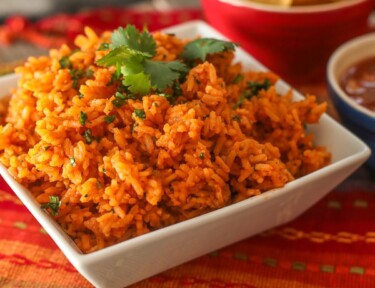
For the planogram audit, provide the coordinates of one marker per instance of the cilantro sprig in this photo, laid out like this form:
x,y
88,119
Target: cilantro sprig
x,y
131,52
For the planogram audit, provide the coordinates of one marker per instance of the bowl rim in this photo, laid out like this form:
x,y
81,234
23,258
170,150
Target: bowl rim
x,y
310,9
331,68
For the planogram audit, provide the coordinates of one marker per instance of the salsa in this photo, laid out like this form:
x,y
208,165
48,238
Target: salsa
x,y
358,81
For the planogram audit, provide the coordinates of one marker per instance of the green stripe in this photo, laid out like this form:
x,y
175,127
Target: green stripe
x,y
300,266
240,256
327,268
270,262
357,270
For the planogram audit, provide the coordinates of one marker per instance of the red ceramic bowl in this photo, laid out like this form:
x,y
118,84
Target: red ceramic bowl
x,y
295,42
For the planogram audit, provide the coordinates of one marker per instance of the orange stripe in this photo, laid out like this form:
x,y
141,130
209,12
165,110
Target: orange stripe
x,y
255,248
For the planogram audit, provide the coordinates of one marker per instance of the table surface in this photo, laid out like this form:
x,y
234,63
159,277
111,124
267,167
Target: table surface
x,y
330,245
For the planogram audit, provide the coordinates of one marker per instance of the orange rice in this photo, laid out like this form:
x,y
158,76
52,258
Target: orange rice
x,y
181,161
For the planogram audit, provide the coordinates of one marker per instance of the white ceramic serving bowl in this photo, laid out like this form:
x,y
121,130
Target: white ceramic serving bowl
x,y
139,258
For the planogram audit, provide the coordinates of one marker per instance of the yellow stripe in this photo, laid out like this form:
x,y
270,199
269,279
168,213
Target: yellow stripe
x,y
319,237
205,277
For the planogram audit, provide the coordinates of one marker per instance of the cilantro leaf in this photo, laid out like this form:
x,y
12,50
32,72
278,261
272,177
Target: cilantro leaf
x,y
200,48
138,83
120,55
163,74
53,205
134,39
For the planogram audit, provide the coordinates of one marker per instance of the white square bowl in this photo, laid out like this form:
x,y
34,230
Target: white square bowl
x,y
141,257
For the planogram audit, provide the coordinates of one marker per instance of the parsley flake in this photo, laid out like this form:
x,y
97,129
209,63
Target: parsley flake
x,y
109,119
53,205
119,100
252,89
75,75
256,87
140,113
83,118
65,62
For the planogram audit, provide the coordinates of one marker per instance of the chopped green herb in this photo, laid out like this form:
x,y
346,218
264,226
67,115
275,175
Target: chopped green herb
x,y
46,148
83,118
53,205
240,101
80,95
65,62
201,155
103,46
238,79
76,75
253,89
236,118
109,118
72,161
140,113
256,87
89,73
87,135
119,100
200,48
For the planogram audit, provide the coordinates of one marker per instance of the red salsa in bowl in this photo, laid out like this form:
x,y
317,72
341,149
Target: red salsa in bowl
x,y
358,82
